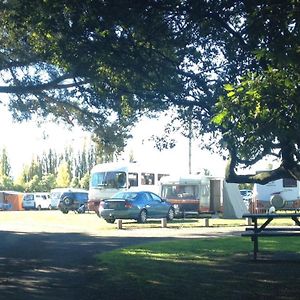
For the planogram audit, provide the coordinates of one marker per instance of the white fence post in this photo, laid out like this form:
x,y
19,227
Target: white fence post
x,y
163,222
119,224
206,222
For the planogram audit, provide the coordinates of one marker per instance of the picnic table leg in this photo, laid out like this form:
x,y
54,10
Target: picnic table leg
x,y
255,246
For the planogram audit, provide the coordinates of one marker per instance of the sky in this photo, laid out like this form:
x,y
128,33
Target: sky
x,y
25,140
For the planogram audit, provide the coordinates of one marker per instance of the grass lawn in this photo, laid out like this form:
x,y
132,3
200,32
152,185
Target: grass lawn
x,y
216,268
72,222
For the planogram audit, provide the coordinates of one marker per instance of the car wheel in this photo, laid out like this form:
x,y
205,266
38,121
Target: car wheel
x,y
68,201
39,207
50,207
171,214
142,216
65,211
111,221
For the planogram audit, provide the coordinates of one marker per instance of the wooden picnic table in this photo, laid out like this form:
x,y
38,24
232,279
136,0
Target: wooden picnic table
x,y
263,230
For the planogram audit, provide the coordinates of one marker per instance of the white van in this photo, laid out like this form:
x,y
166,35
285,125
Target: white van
x,y
36,201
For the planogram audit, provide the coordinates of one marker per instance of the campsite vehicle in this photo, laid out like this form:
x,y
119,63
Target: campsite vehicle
x,y
196,194
67,199
36,201
247,196
135,205
73,200
109,178
11,200
281,194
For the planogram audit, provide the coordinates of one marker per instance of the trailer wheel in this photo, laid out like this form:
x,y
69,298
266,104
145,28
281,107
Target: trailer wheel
x,y
277,201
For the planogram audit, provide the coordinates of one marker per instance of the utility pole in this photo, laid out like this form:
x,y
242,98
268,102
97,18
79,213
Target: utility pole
x,y
190,157
190,135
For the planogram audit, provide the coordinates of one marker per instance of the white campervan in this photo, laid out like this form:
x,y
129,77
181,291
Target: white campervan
x,y
110,178
36,201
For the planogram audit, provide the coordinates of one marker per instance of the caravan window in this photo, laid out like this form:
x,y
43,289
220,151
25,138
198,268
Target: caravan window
x,y
180,192
289,182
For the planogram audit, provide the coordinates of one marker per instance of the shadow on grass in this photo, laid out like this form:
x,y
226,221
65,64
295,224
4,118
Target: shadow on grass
x,y
64,266
203,269
53,265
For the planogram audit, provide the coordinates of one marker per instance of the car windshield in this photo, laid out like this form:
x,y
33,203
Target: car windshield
x,y
109,179
28,197
125,195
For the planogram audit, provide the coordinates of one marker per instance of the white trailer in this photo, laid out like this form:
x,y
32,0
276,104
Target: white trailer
x,y
189,193
282,194
202,194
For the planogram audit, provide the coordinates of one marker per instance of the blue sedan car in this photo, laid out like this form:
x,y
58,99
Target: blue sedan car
x,y
135,205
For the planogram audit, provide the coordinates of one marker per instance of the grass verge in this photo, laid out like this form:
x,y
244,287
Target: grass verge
x,y
220,268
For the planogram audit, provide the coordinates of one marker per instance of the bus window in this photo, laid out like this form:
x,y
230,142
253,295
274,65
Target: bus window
x,y
159,176
147,178
109,179
133,179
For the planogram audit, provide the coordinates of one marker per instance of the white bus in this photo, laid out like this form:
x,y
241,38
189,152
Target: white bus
x,y
282,194
109,178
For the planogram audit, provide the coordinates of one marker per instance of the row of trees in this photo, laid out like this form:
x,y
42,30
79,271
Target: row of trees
x,y
51,170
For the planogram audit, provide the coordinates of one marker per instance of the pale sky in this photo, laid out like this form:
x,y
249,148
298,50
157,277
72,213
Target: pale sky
x,y
25,140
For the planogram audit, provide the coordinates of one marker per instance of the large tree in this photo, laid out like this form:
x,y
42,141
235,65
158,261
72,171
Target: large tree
x,y
230,68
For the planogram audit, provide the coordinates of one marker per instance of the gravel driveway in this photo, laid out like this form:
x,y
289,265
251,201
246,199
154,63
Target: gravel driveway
x,y
51,261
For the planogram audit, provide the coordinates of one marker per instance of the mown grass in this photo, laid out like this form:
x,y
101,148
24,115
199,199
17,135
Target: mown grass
x,y
219,268
81,222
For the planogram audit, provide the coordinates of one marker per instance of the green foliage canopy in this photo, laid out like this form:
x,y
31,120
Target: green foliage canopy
x,y
232,67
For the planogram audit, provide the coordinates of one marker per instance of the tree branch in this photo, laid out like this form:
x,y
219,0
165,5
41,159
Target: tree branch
x,y
53,85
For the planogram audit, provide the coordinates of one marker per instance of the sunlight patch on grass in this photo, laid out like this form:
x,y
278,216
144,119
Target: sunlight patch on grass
x,y
189,268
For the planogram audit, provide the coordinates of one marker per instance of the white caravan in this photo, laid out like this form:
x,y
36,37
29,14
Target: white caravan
x,y
196,194
281,193
188,194
110,178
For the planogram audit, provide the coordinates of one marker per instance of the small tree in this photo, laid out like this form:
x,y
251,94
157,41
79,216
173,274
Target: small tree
x,y
47,183
6,182
63,175
33,184
75,182
85,180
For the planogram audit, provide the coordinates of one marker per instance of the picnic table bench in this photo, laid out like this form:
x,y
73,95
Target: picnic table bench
x,y
263,230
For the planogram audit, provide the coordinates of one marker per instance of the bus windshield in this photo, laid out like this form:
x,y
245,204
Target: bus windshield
x,y
108,180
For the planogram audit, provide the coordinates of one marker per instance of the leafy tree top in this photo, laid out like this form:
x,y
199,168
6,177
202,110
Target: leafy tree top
x,y
232,67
